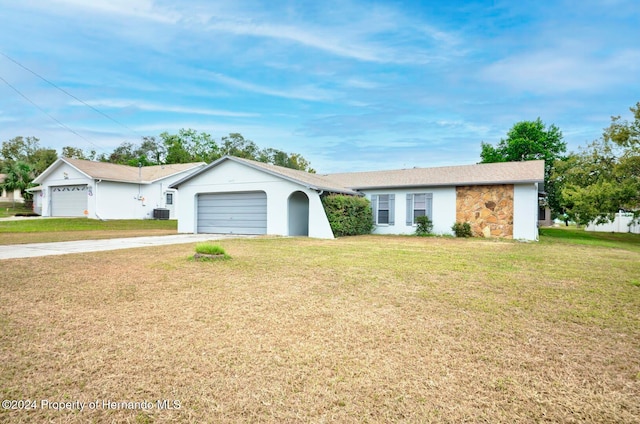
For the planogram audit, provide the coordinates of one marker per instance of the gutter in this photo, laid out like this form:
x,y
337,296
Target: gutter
x,y
96,200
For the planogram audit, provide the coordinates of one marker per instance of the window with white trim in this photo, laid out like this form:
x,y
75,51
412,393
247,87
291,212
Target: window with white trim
x,y
383,206
419,204
169,199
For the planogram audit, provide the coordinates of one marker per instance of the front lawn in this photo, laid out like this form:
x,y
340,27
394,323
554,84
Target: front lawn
x,y
41,230
359,329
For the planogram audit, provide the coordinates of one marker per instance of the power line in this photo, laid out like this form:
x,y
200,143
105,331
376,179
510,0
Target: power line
x,y
49,115
70,95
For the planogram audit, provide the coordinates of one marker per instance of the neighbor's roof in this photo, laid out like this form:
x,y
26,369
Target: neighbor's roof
x,y
487,173
122,173
350,182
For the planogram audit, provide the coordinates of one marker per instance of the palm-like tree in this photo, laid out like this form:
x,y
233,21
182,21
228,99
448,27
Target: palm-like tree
x,y
19,177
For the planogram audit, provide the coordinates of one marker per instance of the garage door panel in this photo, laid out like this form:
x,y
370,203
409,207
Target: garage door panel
x,y
220,210
232,213
227,217
206,202
68,200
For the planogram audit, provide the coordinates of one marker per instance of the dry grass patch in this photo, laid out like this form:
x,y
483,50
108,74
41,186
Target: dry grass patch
x,y
362,329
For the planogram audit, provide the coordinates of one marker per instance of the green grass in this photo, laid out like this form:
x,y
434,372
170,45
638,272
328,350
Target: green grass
x,y
573,235
209,249
8,209
83,224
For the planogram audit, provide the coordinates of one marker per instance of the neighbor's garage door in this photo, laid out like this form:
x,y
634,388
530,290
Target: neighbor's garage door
x,y
233,213
68,200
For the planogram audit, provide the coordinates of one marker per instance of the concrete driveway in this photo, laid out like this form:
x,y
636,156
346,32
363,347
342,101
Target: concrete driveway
x,y
66,247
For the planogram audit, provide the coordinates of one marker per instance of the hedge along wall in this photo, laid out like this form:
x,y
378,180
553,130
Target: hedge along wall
x,y
348,215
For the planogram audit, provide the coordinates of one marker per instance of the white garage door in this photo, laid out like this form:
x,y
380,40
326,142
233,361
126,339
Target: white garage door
x,y
232,213
68,200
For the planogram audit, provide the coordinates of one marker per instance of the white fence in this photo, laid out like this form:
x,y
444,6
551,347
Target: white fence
x,y
619,225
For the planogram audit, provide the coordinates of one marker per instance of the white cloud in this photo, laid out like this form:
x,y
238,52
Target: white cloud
x,y
564,70
307,92
145,9
358,35
155,107
319,39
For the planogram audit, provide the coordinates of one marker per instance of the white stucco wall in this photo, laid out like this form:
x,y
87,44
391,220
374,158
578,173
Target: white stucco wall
x,y
115,200
229,177
525,211
38,197
443,209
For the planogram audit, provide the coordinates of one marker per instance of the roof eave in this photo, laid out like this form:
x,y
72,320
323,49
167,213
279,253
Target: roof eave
x,y
452,184
54,165
339,191
113,180
193,168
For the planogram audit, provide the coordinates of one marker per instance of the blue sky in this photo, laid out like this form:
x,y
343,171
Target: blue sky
x,y
350,85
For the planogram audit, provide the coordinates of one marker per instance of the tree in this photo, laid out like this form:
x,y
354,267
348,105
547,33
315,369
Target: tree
x,y
280,158
122,154
27,150
189,145
604,177
152,150
531,140
19,149
177,149
236,145
18,177
42,159
77,153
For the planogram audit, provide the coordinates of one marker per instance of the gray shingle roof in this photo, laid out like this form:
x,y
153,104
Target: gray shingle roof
x,y
488,173
350,182
125,173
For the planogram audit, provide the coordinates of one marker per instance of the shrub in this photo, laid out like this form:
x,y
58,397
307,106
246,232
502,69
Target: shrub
x,y
348,215
425,226
209,249
462,229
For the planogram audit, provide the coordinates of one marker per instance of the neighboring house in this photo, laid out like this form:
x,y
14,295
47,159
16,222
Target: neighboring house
x,y
9,196
74,187
544,211
233,195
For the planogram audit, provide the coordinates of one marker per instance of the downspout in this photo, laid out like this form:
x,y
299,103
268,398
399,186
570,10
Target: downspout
x,y
96,200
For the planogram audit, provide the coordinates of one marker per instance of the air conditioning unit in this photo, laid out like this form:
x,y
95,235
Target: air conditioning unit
x,y
161,213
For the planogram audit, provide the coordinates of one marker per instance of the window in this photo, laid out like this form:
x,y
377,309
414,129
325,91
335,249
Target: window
x,y
169,199
542,213
418,204
383,209
383,206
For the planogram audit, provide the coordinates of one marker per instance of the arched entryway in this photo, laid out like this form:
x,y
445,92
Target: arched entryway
x,y
298,214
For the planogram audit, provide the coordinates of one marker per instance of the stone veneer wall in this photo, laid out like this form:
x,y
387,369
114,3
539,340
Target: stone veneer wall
x,y
488,208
